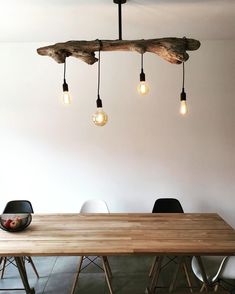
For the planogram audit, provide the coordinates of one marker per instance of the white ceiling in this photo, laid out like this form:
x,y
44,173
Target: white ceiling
x,y
61,20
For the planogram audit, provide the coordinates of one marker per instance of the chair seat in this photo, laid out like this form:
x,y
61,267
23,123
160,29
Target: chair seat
x,y
212,265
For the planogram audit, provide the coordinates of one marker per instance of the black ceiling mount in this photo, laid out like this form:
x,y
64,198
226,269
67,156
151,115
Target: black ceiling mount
x,y
119,2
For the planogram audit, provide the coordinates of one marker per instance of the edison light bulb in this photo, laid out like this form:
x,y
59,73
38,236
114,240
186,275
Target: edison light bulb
x,y
143,88
183,107
66,98
100,118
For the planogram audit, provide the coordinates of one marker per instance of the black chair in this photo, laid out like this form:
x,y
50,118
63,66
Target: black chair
x,y
17,206
168,205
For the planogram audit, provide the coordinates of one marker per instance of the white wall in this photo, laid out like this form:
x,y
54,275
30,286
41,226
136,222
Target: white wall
x,y
55,157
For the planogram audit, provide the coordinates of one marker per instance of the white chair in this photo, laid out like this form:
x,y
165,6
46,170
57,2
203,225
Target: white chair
x,y
228,269
94,206
213,266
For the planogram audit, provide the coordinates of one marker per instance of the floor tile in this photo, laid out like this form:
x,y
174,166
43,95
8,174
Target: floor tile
x,y
66,264
91,283
59,283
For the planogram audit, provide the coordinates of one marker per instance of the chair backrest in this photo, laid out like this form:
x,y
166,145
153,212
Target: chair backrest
x,y
18,206
228,270
94,206
167,205
212,265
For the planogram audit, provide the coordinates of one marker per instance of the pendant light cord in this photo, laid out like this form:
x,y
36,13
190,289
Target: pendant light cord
x,y
183,94
99,101
183,76
142,74
185,47
98,82
142,61
64,68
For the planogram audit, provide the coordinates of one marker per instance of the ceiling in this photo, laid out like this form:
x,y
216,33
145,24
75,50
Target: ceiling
x,y
61,20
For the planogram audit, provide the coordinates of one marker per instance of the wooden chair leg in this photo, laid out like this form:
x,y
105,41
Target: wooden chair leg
x,y
153,266
186,271
107,276
1,259
77,275
23,274
108,266
216,287
155,276
203,273
33,266
172,286
203,287
3,266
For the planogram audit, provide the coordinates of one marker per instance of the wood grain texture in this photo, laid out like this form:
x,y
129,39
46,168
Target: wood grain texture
x,y
172,50
120,234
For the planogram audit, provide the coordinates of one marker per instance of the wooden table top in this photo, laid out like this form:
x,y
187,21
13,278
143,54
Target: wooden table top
x,y
120,234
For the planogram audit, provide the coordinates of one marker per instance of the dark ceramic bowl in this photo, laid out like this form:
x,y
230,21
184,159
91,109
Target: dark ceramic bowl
x,y
15,222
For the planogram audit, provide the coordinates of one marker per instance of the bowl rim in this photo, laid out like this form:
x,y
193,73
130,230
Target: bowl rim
x,y
21,227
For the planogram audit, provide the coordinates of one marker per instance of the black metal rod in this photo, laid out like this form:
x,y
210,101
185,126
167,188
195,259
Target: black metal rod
x,y
119,2
120,19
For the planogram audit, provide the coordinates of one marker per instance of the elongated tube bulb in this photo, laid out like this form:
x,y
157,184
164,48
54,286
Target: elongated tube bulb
x,y
66,98
183,107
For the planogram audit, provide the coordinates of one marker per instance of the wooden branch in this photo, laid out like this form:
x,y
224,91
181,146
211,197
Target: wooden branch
x,y
171,49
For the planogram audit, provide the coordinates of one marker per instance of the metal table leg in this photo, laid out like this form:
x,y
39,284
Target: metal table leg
x,y
23,275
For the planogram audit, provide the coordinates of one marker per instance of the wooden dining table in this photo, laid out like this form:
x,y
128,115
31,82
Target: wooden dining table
x,y
67,234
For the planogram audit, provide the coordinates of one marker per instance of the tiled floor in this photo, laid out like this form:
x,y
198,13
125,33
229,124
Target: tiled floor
x,y
130,275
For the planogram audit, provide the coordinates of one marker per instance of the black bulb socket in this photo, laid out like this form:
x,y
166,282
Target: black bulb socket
x,y
99,102
183,95
142,76
65,87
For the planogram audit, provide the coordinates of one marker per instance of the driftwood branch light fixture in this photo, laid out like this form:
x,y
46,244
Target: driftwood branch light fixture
x,y
173,50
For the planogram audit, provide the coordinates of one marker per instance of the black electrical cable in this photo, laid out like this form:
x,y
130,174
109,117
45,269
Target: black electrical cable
x,y
99,101
64,68
183,76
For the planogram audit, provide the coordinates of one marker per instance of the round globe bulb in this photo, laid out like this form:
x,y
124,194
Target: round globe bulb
x,y
183,107
143,88
100,118
66,98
